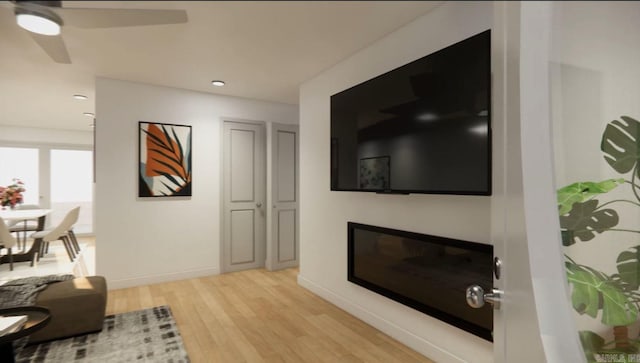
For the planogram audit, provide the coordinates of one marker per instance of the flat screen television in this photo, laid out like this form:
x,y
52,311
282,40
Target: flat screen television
x,y
425,272
424,127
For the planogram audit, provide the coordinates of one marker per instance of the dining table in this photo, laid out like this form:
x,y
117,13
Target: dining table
x,y
24,215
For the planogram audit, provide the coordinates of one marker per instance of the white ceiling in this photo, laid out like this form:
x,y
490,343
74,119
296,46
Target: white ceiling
x,y
262,49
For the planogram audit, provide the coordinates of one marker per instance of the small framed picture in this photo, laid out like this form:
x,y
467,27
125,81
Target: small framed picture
x,y
375,173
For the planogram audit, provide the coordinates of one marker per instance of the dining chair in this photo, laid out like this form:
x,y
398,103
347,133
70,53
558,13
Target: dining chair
x,y
75,215
25,226
58,233
8,241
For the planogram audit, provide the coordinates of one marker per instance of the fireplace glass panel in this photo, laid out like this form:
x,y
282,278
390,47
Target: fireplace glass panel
x,y
428,273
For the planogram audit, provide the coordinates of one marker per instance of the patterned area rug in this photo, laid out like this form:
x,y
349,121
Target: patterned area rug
x,y
148,335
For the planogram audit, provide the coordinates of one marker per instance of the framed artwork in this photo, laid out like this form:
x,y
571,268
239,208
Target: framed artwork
x,y
164,160
375,173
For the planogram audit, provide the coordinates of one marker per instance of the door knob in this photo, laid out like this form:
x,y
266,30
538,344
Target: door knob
x,y
497,268
476,297
258,204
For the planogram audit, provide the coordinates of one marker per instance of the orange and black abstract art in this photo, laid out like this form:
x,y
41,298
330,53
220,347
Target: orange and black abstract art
x,y
164,160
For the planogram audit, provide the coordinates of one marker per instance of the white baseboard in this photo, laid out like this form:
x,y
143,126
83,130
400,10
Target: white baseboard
x,y
404,336
155,279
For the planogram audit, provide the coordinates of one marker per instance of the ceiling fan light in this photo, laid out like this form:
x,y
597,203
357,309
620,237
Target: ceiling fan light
x,y
38,24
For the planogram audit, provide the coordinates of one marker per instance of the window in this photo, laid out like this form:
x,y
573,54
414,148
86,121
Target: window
x,y
54,178
71,186
21,163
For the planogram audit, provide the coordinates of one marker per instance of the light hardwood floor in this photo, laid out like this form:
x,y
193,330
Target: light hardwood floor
x,y
261,316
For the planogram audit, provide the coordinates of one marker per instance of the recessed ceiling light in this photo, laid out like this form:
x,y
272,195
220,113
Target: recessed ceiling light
x,y
217,83
80,97
427,116
39,23
480,130
89,114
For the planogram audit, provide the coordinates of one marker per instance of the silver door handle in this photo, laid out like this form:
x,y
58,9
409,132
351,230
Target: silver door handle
x,y
476,297
258,204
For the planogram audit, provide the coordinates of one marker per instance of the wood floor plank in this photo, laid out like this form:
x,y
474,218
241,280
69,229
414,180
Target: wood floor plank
x,y
261,316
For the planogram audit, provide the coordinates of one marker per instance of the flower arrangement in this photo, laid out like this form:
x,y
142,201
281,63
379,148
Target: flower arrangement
x,y
12,194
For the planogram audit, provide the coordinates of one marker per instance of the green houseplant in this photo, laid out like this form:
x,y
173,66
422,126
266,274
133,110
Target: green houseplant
x,y
586,211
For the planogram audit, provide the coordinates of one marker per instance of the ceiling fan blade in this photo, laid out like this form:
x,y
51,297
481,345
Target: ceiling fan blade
x,y
53,46
110,18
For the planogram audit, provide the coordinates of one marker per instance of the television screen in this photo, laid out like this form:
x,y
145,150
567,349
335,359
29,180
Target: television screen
x,y
428,273
421,128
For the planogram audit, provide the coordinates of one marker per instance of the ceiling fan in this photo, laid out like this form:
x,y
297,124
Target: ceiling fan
x,y
44,20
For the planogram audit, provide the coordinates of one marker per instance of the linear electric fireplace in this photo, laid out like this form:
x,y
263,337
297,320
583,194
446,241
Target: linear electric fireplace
x,y
427,273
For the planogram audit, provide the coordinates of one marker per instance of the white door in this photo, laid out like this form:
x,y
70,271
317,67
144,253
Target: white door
x,y
533,323
244,187
284,223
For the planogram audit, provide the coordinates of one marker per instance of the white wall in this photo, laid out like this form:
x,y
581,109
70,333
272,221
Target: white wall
x,y
140,241
324,214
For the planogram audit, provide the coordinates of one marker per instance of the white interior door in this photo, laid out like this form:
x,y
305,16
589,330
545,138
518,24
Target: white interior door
x,y
532,324
244,187
284,223
516,333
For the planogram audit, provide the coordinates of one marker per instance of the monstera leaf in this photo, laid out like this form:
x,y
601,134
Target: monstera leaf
x,y
165,154
581,191
584,221
629,267
592,344
621,144
593,291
